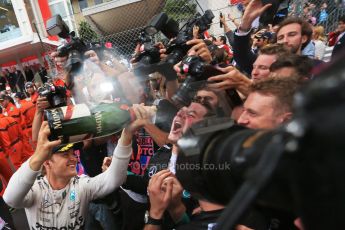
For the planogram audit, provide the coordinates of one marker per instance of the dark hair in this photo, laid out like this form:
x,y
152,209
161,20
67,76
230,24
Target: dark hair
x,y
341,18
301,64
220,56
223,39
306,28
283,88
0,109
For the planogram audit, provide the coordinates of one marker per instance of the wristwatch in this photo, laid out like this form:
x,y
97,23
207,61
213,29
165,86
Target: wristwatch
x,y
149,220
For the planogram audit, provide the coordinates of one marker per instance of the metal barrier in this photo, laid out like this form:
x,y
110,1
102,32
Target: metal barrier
x,y
181,10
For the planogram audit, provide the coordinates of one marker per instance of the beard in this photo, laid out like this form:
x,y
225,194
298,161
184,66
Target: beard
x,y
294,49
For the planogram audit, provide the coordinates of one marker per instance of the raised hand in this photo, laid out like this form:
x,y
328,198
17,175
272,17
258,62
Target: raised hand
x,y
160,196
254,9
200,49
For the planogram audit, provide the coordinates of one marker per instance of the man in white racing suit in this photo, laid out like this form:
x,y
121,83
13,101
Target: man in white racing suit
x,y
60,199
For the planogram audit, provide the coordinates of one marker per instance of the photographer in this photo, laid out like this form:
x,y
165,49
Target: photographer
x,y
166,158
60,189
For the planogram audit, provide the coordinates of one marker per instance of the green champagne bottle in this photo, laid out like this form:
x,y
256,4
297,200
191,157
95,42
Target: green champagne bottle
x,y
75,123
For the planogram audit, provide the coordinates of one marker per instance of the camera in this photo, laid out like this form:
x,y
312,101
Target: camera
x,y
295,169
178,47
197,72
149,57
56,95
149,54
148,60
74,47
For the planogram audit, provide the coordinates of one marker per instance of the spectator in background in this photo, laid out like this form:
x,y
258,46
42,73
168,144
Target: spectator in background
x,y
28,73
20,80
261,39
27,109
319,41
32,93
323,13
43,74
227,31
12,79
340,41
221,43
13,141
3,81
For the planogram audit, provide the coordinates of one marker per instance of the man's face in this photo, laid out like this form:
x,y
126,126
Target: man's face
x,y
259,42
261,66
260,112
218,41
63,164
207,96
30,89
184,119
291,36
341,26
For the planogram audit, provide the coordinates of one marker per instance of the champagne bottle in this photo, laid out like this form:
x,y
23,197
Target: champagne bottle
x,y
75,123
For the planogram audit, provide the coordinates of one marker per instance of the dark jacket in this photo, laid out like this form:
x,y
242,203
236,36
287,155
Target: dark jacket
x,y
158,162
243,55
338,46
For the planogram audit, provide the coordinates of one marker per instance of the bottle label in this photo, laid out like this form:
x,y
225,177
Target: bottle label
x,y
75,111
98,119
57,116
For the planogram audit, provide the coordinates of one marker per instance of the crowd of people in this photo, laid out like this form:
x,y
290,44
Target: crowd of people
x,y
14,79
128,180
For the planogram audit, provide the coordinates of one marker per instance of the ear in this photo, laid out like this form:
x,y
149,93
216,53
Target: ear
x,y
47,164
285,117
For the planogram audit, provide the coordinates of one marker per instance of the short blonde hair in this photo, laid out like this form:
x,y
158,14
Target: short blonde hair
x,y
319,33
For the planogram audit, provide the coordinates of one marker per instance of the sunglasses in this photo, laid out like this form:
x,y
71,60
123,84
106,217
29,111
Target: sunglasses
x,y
201,100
